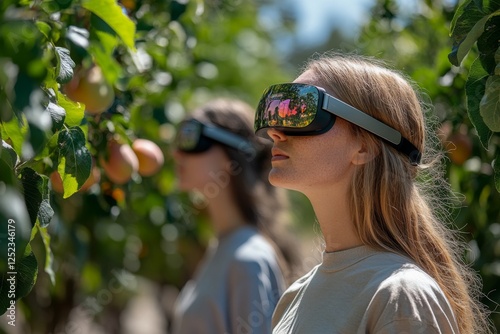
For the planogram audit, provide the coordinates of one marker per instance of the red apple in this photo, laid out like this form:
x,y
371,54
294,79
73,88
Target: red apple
x,y
121,163
91,88
150,156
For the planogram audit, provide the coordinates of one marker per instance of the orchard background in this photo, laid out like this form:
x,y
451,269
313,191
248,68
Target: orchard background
x,y
81,81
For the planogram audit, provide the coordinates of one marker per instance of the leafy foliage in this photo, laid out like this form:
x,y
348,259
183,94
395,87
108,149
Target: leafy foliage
x,y
74,159
474,88
478,22
161,58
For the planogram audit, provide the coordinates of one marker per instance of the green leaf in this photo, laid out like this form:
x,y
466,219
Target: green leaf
x,y
487,43
24,88
78,41
7,174
111,13
111,69
75,161
36,196
110,40
458,13
49,256
45,212
27,273
61,4
65,65
75,111
496,170
466,44
465,19
16,131
474,89
78,36
23,279
489,107
14,217
53,6
21,41
39,121
103,43
44,28
49,148
8,155
58,114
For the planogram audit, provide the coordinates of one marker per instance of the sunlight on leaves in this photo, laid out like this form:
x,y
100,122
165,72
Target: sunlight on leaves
x,y
75,161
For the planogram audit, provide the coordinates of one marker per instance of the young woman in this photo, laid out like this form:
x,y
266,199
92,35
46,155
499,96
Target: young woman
x,y
350,134
241,277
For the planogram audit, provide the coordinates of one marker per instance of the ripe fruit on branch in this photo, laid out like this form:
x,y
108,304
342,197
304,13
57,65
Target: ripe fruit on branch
x,y
94,177
150,156
121,163
91,88
128,4
459,148
58,186
56,181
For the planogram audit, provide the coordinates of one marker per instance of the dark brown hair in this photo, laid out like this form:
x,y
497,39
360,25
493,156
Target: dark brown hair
x,y
260,203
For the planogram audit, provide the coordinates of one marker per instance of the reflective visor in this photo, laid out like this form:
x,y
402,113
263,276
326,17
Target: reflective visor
x,y
188,135
196,137
293,109
304,110
292,106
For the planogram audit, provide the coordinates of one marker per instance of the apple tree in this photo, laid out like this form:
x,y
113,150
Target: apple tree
x,y
478,23
90,93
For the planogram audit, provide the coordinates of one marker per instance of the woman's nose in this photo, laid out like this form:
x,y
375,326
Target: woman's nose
x,y
176,154
276,135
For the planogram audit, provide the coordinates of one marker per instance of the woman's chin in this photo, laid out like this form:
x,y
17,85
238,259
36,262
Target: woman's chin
x,y
277,179
184,186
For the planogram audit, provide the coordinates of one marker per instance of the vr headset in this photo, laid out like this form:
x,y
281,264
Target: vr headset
x,y
196,137
299,109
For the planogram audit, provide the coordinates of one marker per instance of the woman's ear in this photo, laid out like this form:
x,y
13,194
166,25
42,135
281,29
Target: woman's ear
x,y
365,153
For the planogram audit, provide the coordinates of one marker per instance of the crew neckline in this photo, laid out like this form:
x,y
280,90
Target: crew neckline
x,y
243,229
339,260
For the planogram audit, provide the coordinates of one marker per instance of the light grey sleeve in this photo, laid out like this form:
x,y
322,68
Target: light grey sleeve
x,y
411,302
412,326
254,289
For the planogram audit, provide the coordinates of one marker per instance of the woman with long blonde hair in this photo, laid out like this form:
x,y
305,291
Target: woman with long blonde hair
x,y
351,135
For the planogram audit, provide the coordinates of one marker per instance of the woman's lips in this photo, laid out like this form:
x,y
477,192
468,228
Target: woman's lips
x,y
179,169
278,155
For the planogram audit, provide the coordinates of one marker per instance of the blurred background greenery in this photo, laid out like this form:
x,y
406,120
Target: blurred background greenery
x,y
101,250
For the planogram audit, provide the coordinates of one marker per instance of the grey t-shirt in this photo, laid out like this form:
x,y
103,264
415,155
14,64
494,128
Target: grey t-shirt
x,y
234,291
361,290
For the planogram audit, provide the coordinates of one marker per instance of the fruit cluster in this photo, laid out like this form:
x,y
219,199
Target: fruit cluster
x,y
143,157
121,160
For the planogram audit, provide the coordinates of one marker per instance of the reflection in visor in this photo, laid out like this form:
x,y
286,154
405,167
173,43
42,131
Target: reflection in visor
x,y
188,135
292,106
295,108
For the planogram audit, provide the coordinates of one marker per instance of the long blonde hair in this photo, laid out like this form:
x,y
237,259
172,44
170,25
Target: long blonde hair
x,y
396,206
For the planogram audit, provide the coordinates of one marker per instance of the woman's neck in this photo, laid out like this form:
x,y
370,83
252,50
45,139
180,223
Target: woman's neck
x,y
335,219
224,214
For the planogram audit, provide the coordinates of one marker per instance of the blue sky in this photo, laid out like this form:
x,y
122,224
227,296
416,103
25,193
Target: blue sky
x,y
317,17
314,20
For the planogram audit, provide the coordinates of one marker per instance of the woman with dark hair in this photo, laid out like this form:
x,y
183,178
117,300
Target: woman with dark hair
x,y
239,282
362,153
